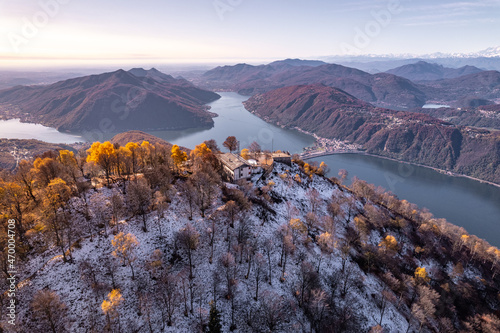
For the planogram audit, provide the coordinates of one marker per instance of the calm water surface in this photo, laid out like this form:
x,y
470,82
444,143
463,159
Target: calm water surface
x,y
15,129
235,120
462,201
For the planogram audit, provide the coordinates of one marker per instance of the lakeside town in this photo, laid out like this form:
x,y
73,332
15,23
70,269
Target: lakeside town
x,y
324,146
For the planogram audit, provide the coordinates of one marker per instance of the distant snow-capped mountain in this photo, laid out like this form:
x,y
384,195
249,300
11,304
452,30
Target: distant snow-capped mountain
x,y
490,52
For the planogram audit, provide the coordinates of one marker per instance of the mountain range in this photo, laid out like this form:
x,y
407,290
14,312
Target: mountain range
x,y
121,100
408,136
485,85
402,88
381,89
424,71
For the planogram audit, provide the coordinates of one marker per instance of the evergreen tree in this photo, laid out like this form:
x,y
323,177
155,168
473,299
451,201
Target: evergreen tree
x,y
214,322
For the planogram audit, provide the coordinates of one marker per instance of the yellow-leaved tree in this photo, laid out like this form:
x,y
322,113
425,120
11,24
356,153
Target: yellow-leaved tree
x,y
56,195
147,153
245,153
125,246
389,243
178,156
421,275
134,153
69,163
110,305
102,154
200,151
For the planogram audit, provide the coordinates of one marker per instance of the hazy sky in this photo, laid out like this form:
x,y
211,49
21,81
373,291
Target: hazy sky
x,y
126,31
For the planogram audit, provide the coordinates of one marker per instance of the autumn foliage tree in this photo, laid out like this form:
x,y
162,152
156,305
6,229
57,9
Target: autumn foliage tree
x,y
110,306
125,246
178,156
231,143
200,151
56,196
102,154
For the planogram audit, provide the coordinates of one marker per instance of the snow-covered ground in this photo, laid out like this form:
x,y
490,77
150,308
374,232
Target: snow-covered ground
x,y
48,270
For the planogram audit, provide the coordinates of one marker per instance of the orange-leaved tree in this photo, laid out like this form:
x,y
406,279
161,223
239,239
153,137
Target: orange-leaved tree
x,y
111,305
104,155
178,156
200,151
125,249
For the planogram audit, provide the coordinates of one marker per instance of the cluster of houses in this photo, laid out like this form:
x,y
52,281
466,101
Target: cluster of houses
x,y
236,167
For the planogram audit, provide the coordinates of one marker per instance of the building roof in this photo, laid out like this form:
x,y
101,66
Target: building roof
x,y
280,155
232,161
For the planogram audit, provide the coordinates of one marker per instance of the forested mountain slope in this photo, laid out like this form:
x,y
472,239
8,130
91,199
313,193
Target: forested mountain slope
x,y
175,249
408,136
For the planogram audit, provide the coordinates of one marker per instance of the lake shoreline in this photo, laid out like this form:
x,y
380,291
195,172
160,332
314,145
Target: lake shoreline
x,y
445,172
354,149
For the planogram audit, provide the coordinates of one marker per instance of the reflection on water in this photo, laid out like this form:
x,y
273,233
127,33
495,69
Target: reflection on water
x,y
462,201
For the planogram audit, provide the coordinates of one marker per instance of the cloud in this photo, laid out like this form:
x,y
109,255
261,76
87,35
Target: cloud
x,y
452,13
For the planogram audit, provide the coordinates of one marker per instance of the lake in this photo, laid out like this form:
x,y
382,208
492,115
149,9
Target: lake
x,y
435,106
234,119
462,201
15,129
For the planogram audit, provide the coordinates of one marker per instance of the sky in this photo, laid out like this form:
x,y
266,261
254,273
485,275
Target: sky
x,y
70,32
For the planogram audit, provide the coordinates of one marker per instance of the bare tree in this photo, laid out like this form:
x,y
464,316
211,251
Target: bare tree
x,y
260,263
272,310
212,145
117,206
50,310
307,280
169,294
189,239
385,298
230,269
318,309
100,211
205,186
425,307
160,205
314,199
188,190
268,250
139,199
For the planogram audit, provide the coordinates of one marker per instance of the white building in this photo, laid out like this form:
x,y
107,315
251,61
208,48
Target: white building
x,y
235,167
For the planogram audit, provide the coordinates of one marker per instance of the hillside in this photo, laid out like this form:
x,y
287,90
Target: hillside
x,y
408,136
138,137
484,85
425,71
119,100
14,150
381,89
486,116
288,251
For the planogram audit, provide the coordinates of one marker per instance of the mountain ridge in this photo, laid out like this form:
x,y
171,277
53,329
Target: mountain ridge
x,y
118,99
382,88
408,136
425,71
